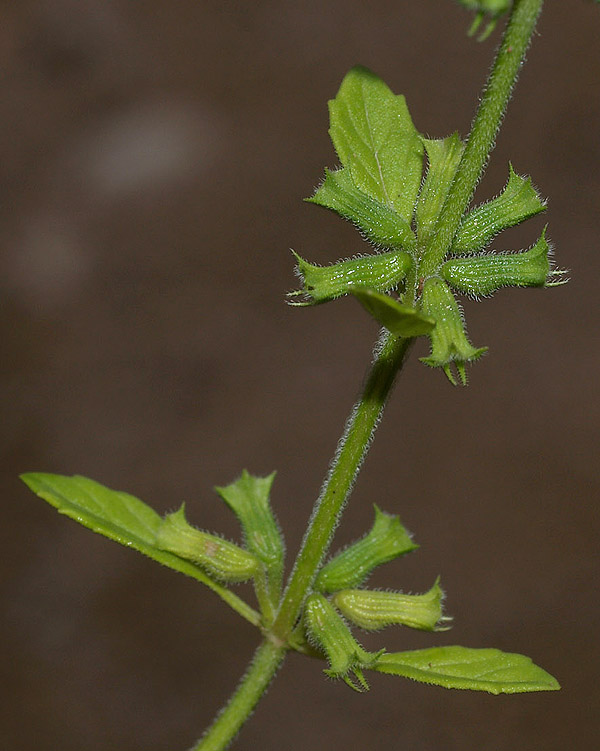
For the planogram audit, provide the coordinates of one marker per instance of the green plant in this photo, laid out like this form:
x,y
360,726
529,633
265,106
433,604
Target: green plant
x,y
429,247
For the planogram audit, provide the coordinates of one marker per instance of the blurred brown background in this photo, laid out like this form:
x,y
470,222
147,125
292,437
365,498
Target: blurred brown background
x,y
153,158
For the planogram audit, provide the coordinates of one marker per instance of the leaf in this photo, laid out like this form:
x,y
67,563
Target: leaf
x,y
379,224
477,669
400,320
123,518
443,156
374,137
518,201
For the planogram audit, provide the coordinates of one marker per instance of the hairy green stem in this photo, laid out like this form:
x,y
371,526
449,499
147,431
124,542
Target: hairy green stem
x,y
264,598
389,360
351,451
487,121
255,682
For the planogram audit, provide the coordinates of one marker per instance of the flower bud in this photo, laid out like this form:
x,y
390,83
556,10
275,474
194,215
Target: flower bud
x,y
493,8
326,630
398,319
222,559
518,201
449,343
386,540
373,610
484,274
381,272
248,498
443,157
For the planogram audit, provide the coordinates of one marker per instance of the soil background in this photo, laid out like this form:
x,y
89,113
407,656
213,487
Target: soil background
x,y
153,161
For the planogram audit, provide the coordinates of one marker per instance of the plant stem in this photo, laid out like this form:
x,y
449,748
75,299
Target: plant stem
x,y
226,725
349,456
389,360
353,445
487,121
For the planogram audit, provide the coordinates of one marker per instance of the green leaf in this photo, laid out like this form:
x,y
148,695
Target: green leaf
x,y
375,138
400,320
484,274
443,159
477,669
386,540
518,201
248,498
378,223
382,272
125,519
